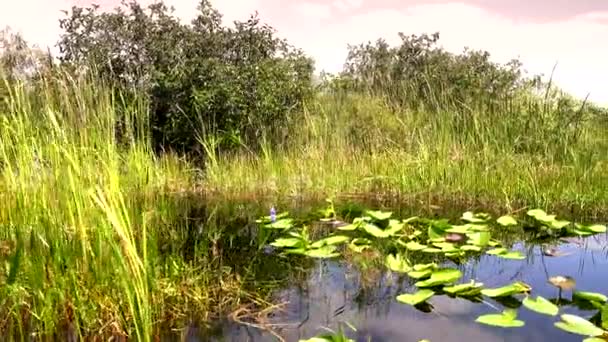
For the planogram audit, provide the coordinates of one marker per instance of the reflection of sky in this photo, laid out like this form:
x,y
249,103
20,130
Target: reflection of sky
x,y
330,295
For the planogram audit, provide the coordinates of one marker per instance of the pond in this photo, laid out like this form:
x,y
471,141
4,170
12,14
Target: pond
x,y
360,286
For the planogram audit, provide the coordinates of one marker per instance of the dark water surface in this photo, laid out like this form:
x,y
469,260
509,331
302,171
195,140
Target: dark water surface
x,y
332,291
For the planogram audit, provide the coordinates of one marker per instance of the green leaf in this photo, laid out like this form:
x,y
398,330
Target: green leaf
x,y
280,224
378,215
507,319
515,288
432,250
497,251
397,263
470,248
459,229
358,245
422,267
578,325
596,228
466,289
322,253
594,339
479,239
475,218
590,296
541,305
331,240
287,242
506,254
506,221
415,298
440,277
422,270
415,246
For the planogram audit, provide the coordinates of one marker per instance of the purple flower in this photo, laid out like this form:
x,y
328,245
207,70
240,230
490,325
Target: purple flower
x,y
273,214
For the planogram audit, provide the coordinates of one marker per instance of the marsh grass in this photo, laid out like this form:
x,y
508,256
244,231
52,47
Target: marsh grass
x,y
360,145
93,228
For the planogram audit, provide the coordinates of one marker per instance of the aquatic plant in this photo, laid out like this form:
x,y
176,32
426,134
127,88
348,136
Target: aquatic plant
x,y
506,319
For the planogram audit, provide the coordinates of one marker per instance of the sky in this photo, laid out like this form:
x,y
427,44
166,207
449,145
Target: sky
x,y
541,33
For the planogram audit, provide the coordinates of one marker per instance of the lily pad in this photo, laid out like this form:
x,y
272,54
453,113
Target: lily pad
x,y
578,325
590,296
440,277
415,246
397,263
287,242
415,298
379,215
509,290
541,305
507,319
506,221
330,240
467,289
475,218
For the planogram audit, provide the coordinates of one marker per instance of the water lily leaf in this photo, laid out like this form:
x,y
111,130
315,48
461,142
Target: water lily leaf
x,y
415,298
479,239
373,230
509,290
423,267
540,215
513,255
422,270
507,319
358,245
446,246
287,242
280,224
435,232
349,227
378,215
415,246
470,248
431,250
493,243
475,218
397,263
322,253
497,251
596,228
466,289
330,240
590,296
594,339
559,224
578,325
541,305
459,229
440,277
506,221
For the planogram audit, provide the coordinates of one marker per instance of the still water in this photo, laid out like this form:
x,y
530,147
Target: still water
x,y
334,291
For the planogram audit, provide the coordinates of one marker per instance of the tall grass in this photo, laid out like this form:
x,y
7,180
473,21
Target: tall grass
x,y
520,153
92,221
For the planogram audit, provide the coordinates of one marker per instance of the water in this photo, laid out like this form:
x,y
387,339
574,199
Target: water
x,y
334,291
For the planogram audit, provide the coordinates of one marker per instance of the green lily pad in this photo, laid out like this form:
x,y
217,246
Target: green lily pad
x,y
329,241
479,239
506,319
322,253
578,325
415,246
470,248
397,263
415,298
506,221
590,296
541,305
287,242
440,277
506,254
475,218
509,290
379,215
466,289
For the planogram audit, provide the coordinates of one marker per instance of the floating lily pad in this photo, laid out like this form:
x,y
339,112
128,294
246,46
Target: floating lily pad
x,y
506,221
379,215
415,298
475,218
541,305
590,296
331,240
509,290
578,325
507,319
440,277
415,246
467,289
397,263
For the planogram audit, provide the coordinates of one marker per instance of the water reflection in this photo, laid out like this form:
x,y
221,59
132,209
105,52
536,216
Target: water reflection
x,y
335,291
